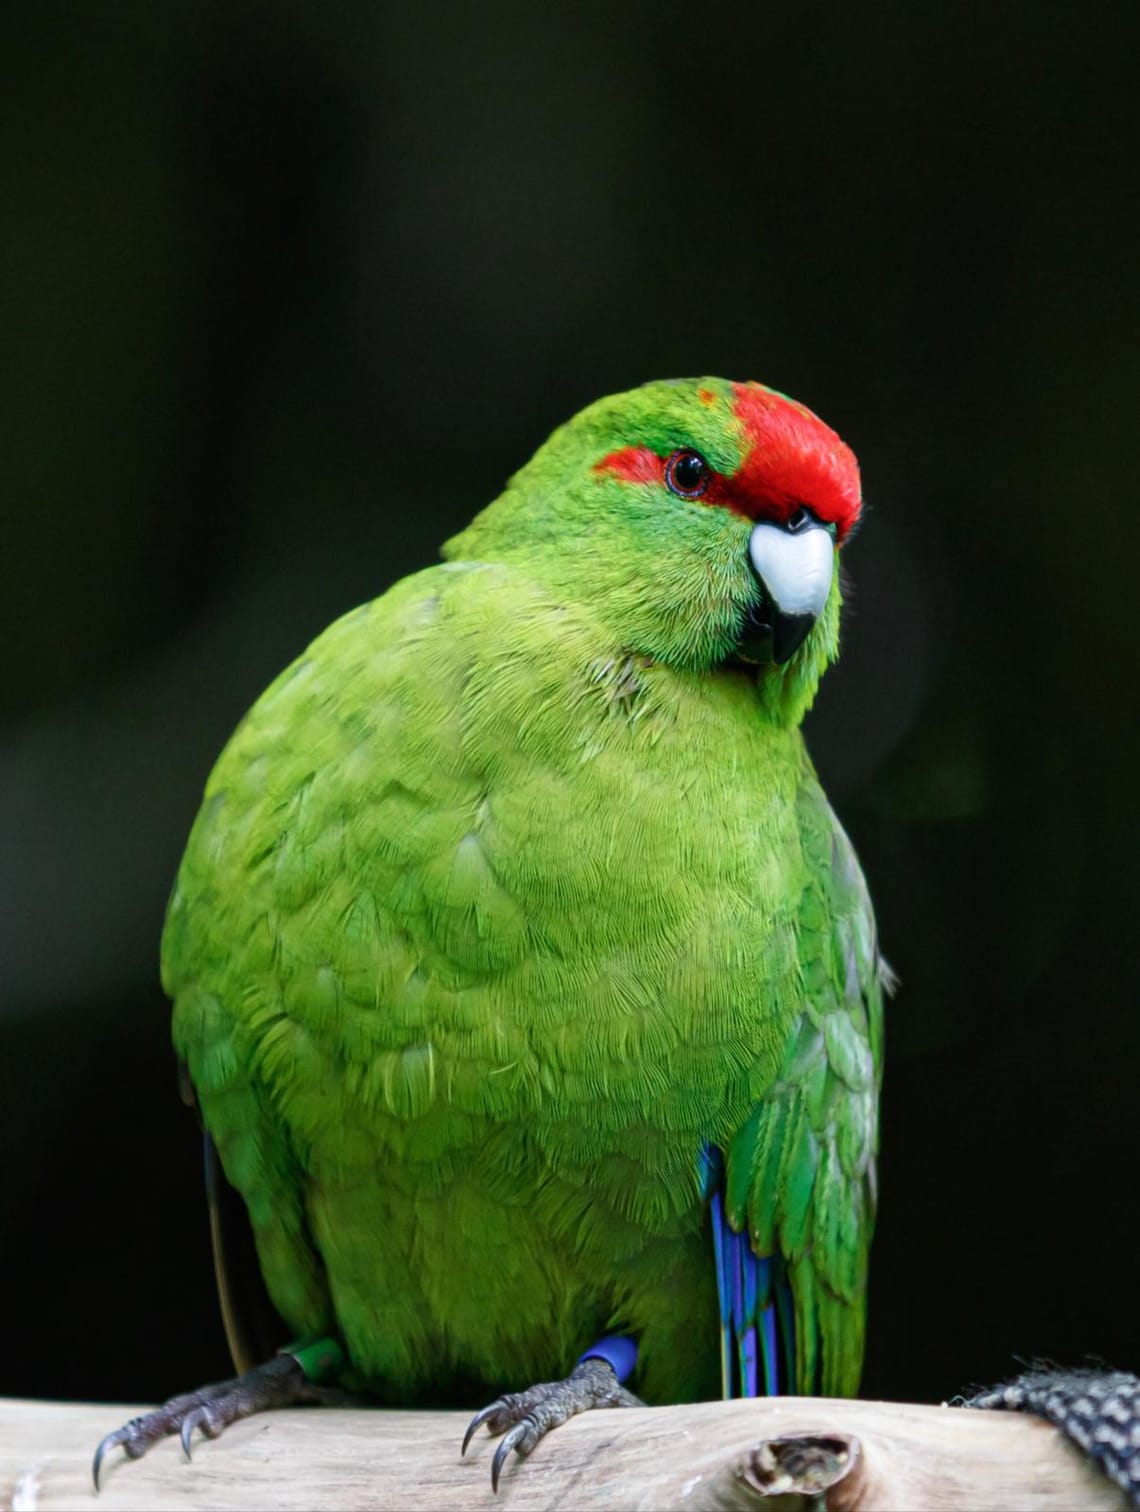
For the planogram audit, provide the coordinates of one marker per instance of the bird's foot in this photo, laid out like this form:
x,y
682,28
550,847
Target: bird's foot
x,y
525,1417
280,1382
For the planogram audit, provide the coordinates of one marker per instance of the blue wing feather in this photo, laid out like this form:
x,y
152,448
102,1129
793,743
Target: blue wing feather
x,y
721,1232
755,1300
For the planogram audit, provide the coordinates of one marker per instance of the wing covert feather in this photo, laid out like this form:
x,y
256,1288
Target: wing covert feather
x,y
800,1174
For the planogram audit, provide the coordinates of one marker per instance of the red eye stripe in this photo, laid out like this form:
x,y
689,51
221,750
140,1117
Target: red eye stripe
x,y
640,464
634,464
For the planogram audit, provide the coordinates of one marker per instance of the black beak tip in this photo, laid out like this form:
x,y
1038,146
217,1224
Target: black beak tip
x,y
754,643
768,636
789,632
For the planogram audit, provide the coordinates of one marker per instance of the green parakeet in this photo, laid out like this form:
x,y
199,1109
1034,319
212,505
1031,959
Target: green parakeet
x,y
528,985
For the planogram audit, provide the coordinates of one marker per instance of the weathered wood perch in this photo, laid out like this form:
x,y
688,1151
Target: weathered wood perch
x,y
781,1454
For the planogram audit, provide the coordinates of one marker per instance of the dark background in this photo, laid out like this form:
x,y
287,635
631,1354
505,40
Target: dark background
x,y
292,288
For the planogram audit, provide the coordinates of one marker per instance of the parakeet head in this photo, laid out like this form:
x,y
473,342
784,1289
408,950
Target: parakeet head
x,y
698,521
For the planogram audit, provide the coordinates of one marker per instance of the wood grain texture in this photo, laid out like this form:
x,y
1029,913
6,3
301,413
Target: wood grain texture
x,y
738,1454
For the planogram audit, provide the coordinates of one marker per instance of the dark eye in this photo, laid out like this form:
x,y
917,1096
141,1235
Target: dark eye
x,y
687,474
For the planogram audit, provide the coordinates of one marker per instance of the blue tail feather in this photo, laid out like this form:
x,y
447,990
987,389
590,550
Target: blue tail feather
x,y
746,1326
751,1280
749,1365
724,1293
770,1348
757,1319
736,1252
787,1313
763,1283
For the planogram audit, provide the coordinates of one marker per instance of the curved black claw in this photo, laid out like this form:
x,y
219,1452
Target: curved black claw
x,y
112,1441
482,1416
193,1420
514,1439
526,1417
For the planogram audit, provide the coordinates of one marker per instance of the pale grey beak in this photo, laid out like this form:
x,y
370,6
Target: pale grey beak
x,y
794,566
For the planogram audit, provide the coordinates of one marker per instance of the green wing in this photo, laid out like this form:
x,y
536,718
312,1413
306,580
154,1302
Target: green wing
x,y
800,1174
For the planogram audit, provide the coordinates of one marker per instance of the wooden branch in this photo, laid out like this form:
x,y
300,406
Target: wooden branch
x,y
781,1454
